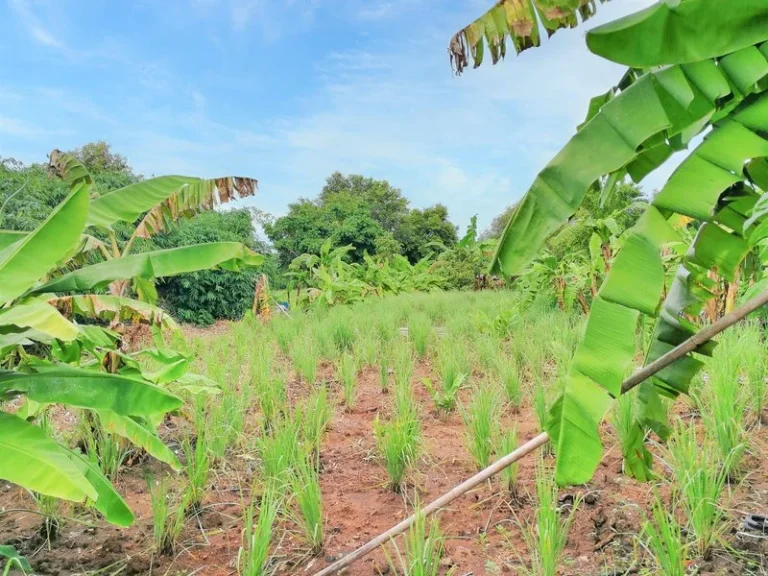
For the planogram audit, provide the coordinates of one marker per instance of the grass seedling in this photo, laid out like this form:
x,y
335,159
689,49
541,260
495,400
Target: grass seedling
x,y
480,420
508,373
664,539
304,358
101,447
630,436
307,503
342,333
403,364
504,443
253,558
279,450
271,398
419,329
398,444
384,369
423,549
546,535
167,519
198,467
700,482
723,410
445,397
346,372
313,416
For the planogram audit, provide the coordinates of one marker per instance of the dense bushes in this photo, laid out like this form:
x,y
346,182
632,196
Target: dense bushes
x,y
205,296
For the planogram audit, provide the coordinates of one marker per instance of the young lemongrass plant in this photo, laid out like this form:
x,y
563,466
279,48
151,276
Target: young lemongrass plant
x,y
307,502
622,418
217,426
346,372
313,415
663,537
419,330
700,480
752,354
272,399
367,348
398,444
279,450
342,332
541,408
423,549
101,447
545,536
723,409
445,397
403,364
253,558
384,360
505,441
167,517
481,418
198,468
507,372
285,331
304,357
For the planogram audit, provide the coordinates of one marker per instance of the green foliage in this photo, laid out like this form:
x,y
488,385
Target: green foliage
x,y
168,516
208,295
481,419
422,227
423,545
506,441
398,444
253,557
547,533
664,537
307,502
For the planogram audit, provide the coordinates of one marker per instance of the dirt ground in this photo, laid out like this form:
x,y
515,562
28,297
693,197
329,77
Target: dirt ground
x,y
481,530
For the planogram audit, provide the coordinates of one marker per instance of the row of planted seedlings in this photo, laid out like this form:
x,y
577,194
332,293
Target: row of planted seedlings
x,y
278,389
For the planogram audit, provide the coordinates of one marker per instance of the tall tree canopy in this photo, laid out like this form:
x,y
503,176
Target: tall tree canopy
x,y
370,214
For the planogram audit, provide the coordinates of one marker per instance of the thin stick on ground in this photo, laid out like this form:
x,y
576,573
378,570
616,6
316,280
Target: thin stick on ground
x,y
641,375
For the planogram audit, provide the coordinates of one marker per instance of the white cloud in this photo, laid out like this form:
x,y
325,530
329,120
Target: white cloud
x,y
38,32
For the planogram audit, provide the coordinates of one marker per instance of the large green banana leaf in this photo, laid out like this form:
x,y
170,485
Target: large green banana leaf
x,y
139,434
166,198
24,262
31,459
707,186
88,389
109,308
8,237
681,32
40,316
633,131
107,500
156,264
668,32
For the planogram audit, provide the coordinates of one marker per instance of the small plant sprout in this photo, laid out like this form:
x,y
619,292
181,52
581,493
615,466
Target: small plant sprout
x,y
167,518
419,329
423,547
403,364
304,357
508,373
664,539
547,533
198,468
279,450
346,372
313,416
622,418
384,368
480,421
398,444
700,481
445,397
253,558
307,503
505,442
271,399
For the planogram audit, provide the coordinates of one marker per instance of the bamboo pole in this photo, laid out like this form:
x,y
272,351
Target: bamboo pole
x,y
641,375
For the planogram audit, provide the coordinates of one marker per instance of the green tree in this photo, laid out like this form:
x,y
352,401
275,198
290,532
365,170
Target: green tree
x,y
98,158
421,227
387,204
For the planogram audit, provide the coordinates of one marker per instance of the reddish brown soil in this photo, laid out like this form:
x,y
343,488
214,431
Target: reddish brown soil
x,y
483,537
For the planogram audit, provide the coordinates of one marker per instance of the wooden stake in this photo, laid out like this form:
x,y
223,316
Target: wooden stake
x,y
641,375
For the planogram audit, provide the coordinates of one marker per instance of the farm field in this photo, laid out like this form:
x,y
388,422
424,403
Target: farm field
x,y
333,425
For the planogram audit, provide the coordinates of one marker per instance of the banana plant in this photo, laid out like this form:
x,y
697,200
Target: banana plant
x,y
80,365
695,66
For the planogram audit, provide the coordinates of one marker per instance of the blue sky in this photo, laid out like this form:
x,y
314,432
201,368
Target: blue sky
x,y
288,91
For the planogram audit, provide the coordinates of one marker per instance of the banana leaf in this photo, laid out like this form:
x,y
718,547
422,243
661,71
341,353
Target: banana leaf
x,y
88,389
32,460
156,264
113,308
39,316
